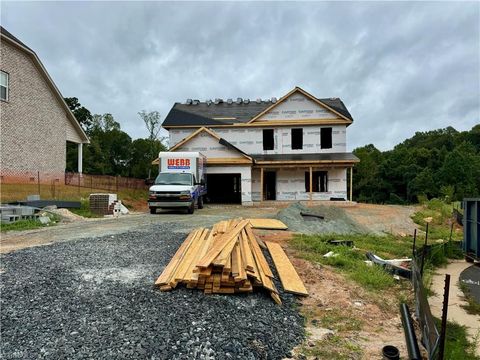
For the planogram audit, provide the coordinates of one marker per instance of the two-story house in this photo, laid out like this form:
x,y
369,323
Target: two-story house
x,y
291,149
36,123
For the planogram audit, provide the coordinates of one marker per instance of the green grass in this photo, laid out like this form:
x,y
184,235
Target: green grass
x,y
336,347
473,307
21,225
441,214
351,261
85,210
457,345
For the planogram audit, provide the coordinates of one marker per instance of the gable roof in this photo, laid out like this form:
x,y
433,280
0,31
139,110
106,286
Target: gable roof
x,y
221,141
8,37
335,104
223,113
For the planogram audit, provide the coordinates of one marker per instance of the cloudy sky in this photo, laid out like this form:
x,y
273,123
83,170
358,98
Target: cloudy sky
x,y
400,67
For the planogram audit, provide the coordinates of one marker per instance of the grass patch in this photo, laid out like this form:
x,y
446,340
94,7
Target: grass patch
x,y
351,261
441,215
457,345
336,347
473,307
21,225
85,210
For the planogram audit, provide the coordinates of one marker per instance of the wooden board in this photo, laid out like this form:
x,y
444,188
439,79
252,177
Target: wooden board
x,y
268,224
291,282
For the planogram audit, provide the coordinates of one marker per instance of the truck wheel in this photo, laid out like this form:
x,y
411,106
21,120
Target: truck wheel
x,y
153,210
200,202
191,209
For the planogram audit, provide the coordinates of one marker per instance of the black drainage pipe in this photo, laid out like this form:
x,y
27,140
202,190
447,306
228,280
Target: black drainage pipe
x,y
410,337
390,352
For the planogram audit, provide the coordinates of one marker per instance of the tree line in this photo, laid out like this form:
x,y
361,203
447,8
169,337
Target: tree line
x,y
440,163
112,151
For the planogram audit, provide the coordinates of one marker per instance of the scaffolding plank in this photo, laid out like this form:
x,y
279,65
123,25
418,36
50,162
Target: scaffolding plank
x,y
268,224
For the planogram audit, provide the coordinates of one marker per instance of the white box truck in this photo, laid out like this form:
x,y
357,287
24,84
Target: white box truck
x,y
180,182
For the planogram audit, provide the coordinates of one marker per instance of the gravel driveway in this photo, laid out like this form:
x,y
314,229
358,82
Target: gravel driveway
x,y
94,298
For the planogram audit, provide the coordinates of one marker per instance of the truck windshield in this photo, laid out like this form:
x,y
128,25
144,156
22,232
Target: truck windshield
x,y
173,179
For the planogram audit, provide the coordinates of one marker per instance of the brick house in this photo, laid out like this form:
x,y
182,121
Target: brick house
x,y
36,123
292,149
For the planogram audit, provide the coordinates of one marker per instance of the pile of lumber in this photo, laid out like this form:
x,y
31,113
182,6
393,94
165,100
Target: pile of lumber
x,y
227,259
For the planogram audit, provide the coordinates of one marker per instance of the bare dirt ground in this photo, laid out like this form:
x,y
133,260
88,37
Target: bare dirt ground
x,y
393,219
456,312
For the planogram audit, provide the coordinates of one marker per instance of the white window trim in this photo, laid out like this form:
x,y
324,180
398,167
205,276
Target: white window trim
x,y
7,87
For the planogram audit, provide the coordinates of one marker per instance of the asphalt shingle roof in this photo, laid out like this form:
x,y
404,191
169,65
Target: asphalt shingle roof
x,y
204,113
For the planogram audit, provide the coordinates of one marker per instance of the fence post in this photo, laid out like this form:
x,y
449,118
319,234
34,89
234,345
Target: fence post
x,y
38,182
424,250
414,242
443,330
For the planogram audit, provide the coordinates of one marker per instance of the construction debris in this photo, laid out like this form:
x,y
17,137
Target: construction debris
x,y
228,259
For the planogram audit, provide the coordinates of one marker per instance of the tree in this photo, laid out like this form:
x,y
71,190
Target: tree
x,y
141,163
82,114
152,122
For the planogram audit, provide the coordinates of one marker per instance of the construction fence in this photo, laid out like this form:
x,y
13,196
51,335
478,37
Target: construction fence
x,y
42,178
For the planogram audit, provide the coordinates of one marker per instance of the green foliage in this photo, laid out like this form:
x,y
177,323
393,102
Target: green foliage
x,y
441,163
457,345
111,151
85,210
21,225
352,261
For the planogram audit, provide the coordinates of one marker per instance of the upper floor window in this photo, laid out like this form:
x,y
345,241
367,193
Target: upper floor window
x,y
268,141
326,138
297,139
3,86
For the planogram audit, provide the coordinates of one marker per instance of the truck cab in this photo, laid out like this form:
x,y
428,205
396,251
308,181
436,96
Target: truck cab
x,y
179,184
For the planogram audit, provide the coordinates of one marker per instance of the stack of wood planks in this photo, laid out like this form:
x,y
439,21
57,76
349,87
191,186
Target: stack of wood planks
x,y
227,259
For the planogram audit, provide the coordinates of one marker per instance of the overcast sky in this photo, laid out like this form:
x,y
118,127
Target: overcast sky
x,y
400,67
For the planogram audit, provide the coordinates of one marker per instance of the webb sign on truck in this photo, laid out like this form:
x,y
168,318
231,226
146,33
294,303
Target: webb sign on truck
x,y
178,164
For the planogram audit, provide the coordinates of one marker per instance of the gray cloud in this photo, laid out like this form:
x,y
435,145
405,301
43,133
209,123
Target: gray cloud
x,y
399,67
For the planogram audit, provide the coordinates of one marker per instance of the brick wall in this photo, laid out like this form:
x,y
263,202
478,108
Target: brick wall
x,y
33,126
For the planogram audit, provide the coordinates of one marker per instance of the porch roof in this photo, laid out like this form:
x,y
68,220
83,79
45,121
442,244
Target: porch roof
x,y
324,158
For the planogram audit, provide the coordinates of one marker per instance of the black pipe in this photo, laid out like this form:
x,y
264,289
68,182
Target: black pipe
x,y
410,337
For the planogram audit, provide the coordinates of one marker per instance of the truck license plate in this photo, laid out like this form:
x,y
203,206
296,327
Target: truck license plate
x,y
153,203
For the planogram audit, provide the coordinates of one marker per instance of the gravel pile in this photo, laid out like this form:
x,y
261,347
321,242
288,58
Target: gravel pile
x,y
335,220
94,298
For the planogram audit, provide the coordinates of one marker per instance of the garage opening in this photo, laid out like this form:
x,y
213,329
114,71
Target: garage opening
x,y
224,188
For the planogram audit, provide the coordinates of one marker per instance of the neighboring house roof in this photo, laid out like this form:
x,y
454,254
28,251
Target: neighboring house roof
x,y
223,113
7,36
323,157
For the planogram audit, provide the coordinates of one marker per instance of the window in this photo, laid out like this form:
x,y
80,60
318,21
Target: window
x,y
319,181
3,86
326,138
268,141
297,139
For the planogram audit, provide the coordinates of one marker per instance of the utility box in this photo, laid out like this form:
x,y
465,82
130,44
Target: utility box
x,y
471,229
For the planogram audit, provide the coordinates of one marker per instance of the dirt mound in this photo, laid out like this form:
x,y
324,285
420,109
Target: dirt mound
x,y
335,220
67,215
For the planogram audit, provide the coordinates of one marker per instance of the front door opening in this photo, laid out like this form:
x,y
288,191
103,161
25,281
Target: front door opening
x,y
224,188
270,185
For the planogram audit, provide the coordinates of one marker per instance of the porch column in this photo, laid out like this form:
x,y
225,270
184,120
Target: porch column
x,y
311,183
351,182
261,184
80,158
